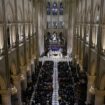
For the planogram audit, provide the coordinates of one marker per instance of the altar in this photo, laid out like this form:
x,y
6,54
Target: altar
x,y
54,54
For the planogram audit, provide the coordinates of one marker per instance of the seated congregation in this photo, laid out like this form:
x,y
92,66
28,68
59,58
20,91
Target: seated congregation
x,y
72,85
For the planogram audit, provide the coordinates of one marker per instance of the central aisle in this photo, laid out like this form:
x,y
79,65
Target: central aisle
x,y
55,96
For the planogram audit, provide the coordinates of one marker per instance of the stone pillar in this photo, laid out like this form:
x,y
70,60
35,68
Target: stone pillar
x,y
29,73
91,80
32,66
6,97
40,28
24,73
99,100
24,84
81,65
17,83
99,97
88,101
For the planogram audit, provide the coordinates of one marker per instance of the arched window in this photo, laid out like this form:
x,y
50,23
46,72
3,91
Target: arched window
x,y
103,39
1,39
97,14
48,8
54,9
55,13
87,33
96,27
94,36
61,8
20,32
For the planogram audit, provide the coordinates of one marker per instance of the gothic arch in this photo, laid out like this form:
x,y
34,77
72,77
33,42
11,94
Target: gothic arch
x,y
83,16
88,14
20,26
88,26
103,19
1,12
20,14
1,27
30,12
9,12
79,16
26,15
96,13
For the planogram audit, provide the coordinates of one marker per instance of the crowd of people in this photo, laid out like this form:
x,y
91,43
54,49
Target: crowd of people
x,y
72,84
44,89
80,83
66,92
26,94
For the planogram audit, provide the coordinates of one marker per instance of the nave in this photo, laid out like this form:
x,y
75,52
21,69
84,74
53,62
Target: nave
x,y
59,83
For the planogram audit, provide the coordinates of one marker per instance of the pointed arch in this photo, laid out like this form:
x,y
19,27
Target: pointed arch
x,y
96,13
10,14
103,20
88,14
1,11
20,14
26,15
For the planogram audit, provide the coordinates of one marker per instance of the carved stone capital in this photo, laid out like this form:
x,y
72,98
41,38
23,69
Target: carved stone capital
x,y
23,68
5,92
91,79
16,77
100,92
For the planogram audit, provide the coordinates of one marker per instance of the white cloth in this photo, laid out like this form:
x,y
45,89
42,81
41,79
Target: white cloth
x,y
55,96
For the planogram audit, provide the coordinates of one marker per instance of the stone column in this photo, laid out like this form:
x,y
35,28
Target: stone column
x,y
24,73
91,80
17,83
88,101
29,73
99,100
6,97
70,28
33,66
40,28
24,84
99,97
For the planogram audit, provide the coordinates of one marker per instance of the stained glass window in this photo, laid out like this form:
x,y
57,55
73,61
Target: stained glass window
x,y
48,8
61,9
54,9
